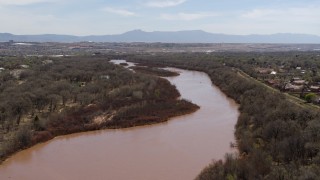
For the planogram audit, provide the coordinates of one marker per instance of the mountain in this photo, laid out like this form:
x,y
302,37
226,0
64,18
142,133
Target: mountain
x,y
195,36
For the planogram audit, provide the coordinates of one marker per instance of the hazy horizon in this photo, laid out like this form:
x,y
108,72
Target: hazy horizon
x,y
158,31
99,17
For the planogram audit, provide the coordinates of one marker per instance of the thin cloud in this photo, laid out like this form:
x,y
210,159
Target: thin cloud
x,y
22,2
121,12
304,14
304,19
164,3
187,16
259,13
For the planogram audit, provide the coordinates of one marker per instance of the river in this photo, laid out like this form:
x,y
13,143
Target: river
x,y
177,149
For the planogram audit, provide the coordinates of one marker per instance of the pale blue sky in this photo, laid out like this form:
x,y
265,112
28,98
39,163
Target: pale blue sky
x,y
98,17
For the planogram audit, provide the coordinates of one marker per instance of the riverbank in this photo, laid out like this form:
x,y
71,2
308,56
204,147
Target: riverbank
x,y
148,100
172,109
275,136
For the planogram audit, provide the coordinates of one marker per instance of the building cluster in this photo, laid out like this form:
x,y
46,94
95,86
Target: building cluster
x,y
296,81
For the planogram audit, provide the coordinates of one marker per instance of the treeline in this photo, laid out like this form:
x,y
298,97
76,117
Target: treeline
x,y
154,71
276,138
42,98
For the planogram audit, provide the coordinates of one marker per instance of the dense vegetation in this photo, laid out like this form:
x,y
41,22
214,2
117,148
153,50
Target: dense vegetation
x,y
276,138
42,98
155,71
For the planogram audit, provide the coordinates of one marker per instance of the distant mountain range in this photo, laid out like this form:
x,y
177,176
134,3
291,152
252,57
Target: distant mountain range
x,y
195,36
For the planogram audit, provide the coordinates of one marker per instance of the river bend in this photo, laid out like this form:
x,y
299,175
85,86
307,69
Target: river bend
x,y
177,149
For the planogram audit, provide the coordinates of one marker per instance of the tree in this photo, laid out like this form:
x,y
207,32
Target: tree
x,y
65,94
36,123
23,137
53,101
19,106
310,97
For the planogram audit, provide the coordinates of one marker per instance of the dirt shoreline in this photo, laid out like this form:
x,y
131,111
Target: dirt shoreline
x,y
147,123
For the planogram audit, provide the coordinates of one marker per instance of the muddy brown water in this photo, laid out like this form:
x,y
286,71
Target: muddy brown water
x,y
177,149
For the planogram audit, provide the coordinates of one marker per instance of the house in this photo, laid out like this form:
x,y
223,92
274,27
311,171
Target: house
x,y
48,61
298,68
24,66
315,88
273,82
264,70
1,69
299,82
292,87
273,73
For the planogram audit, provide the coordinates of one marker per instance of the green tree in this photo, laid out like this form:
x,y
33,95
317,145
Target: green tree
x,y
310,97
